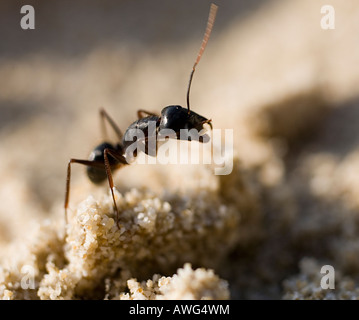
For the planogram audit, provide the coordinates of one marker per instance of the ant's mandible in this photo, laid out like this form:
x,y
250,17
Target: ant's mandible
x,y
107,157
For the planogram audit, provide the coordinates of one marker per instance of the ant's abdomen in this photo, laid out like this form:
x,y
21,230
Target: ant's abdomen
x,y
98,174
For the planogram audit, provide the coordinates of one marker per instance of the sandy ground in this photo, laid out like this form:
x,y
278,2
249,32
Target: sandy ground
x,y
288,89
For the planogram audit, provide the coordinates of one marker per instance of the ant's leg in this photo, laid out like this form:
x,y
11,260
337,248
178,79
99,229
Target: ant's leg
x,y
122,161
104,116
141,112
96,164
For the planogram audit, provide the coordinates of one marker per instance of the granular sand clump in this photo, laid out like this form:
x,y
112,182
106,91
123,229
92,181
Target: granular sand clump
x,y
156,234
187,284
307,285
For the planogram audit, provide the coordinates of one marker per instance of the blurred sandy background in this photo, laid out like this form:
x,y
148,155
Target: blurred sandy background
x,y
129,55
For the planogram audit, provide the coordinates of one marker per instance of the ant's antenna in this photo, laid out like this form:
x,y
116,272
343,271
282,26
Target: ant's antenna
x,y
210,22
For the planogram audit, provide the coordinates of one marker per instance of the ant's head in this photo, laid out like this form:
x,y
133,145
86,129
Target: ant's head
x,y
177,118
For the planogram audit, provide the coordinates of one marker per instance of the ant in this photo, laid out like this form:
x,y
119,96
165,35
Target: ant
x,y
108,157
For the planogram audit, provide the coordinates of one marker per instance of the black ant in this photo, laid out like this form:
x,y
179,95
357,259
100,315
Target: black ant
x,y
107,157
